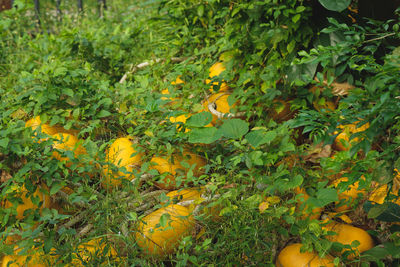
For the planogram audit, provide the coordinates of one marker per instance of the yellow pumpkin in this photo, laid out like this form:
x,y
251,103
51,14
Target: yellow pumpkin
x,y
180,118
27,202
160,240
315,213
35,258
67,142
342,141
20,260
216,70
163,165
35,122
90,250
187,194
291,256
221,104
121,154
349,195
347,234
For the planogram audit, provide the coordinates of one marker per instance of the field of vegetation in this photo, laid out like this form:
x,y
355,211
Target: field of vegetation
x,y
200,133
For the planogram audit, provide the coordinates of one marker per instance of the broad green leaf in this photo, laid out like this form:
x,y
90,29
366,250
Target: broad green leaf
x,y
206,135
387,212
256,159
287,184
302,73
234,128
55,188
103,113
68,92
199,120
324,196
260,137
4,142
335,5
61,71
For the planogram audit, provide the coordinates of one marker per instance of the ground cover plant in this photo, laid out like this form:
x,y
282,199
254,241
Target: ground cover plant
x,y
170,132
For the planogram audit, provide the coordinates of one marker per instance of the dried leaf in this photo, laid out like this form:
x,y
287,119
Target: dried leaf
x,y
338,89
318,151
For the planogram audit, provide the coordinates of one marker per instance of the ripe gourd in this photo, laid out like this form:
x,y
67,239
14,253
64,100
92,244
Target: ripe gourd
x,y
34,258
291,256
182,119
20,260
342,141
67,142
171,166
221,104
186,195
90,250
35,122
349,195
347,234
216,70
160,232
121,154
21,192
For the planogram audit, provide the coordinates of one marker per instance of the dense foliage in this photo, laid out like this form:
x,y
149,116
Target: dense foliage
x,y
298,72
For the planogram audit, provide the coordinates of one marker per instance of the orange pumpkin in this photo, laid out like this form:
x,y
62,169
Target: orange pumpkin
x,y
187,194
349,195
221,104
67,142
216,70
163,165
90,250
27,203
342,141
158,239
122,154
347,234
35,122
291,256
315,213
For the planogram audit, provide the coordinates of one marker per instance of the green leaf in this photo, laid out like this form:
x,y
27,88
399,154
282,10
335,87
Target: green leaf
x,y
256,159
103,113
260,137
323,197
206,135
335,5
55,188
296,18
68,92
4,142
199,120
387,212
61,71
302,72
234,128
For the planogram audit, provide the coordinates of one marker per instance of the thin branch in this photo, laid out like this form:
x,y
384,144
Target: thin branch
x,y
379,38
148,63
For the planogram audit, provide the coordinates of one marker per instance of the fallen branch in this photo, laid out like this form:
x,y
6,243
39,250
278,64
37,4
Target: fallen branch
x,y
148,63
